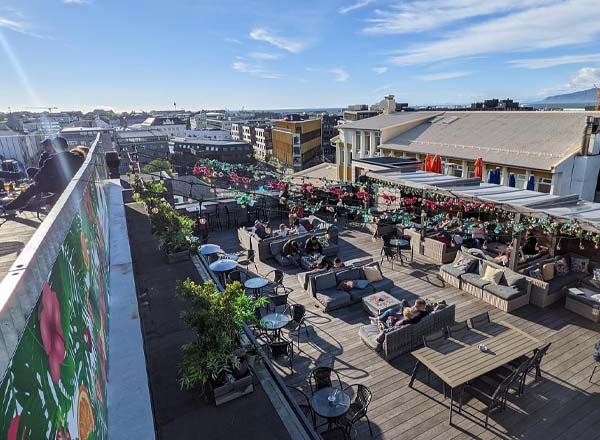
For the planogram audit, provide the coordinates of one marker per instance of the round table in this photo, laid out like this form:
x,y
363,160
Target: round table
x,y
232,257
275,322
399,242
210,249
255,284
330,410
221,267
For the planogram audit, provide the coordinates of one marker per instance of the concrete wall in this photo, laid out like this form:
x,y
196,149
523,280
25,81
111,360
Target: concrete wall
x,y
578,175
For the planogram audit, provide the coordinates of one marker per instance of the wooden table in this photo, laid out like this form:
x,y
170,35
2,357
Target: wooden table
x,y
457,361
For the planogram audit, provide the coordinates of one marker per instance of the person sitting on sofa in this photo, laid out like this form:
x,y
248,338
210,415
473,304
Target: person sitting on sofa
x,y
337,263
392,317
283,231
530,246
292,251
298,227
504,256
312,246
259,229
296,212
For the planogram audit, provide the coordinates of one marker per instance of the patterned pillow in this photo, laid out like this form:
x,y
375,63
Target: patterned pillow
x,y
536,273
596,274
562,266
580,264
346,285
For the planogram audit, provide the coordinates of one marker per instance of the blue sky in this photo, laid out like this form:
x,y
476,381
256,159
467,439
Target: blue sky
x,y
130,54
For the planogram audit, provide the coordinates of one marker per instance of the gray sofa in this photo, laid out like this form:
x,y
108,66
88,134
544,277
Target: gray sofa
x,y
467,271
323,287
330,245
408,337
305,277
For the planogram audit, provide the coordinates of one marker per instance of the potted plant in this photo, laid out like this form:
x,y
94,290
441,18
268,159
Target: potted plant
x,y
174,238
214,360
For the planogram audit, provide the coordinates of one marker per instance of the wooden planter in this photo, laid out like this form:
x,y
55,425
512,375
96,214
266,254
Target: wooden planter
x,y
231,391
178,256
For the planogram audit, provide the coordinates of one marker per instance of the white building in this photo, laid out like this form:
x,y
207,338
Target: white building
x,y
167,125
263,145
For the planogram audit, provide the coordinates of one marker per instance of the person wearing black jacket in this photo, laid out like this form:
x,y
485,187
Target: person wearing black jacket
x,y
53,177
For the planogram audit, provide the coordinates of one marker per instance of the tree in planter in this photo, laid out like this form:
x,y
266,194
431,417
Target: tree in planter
x,y
175,234
218,318
158,165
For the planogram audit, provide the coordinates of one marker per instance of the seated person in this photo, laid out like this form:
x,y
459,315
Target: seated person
x,y
283,231
337,263
448,221
504,256
530,246
392,317
312,246
292,251
259,229
53,177
298,227
478,235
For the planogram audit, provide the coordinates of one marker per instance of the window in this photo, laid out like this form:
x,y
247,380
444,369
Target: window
x,y
453,169
544,184
520,181
367,143
357,142
377,139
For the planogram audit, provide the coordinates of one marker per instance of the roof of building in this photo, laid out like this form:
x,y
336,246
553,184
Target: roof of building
x,y
323,170
200,141
541,140
123,134
381,122
162,120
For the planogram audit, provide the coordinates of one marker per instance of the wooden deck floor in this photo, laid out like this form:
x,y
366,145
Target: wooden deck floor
x,y
563,405
14,235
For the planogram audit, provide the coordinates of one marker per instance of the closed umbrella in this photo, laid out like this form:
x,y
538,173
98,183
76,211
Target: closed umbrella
x,y
497,176
531,183
437,164
479,168
427,163
512,182
491,178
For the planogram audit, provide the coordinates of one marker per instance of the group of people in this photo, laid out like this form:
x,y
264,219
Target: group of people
x,y
404,315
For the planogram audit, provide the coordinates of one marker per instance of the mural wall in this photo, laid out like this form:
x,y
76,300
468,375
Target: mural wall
x,y
55,387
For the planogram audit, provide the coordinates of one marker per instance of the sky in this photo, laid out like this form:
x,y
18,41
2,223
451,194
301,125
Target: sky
x,y
233,54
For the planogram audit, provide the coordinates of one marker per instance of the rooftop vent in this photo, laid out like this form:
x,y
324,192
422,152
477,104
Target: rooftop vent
x,y
449,120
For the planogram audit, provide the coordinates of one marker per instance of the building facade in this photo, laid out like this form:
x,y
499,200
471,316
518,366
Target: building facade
x,y
329,123
189,150
296,142
263,147
83,135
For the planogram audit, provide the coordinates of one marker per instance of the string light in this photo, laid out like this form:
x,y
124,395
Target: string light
x,y
155,210
190,198
202,220
581,245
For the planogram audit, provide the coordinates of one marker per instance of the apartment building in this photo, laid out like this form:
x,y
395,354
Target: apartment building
x,y
263,148
296,141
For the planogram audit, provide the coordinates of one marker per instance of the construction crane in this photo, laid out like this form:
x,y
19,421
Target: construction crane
x,y
44,108
597,107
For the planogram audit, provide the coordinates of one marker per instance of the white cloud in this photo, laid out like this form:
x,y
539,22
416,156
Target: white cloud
x,y
359,4
339,74
541,27
380,70
585,78
76,2
442,76
232,40
543,63
263,56
14,25
255,70
262,34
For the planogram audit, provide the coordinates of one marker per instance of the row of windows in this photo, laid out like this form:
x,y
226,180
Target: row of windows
x,y
213,148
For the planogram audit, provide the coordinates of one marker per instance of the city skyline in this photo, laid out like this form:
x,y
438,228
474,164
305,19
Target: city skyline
x,y
86,54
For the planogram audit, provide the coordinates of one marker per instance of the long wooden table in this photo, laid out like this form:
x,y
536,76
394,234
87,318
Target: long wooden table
x,y
457,361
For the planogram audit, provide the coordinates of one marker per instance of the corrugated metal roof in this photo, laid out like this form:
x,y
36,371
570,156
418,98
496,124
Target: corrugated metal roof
x,y
540,139
381,122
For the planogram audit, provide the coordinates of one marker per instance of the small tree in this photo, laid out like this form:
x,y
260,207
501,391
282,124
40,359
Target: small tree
x,y
158,165
218,318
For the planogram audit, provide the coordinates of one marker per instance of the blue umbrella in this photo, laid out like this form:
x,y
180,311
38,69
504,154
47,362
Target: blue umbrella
x,y
491,176
498,176
531,183
512,182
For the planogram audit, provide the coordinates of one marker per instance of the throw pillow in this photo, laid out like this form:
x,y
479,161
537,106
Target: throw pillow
x,y
513,278
346,285
493,275
562,266
536,273
372,273
362,284
548,271
580,264
596,274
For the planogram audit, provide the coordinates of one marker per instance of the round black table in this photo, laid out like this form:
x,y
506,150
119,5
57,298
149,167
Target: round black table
x,y
274,322
255,284
221,267
327,409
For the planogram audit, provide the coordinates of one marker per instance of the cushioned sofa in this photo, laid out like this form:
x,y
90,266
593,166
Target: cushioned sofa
x,y
305,277
403,339
262,246
511,291
438,251
330,244
323,288
547,287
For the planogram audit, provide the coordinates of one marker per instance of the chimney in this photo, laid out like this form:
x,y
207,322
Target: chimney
x,y
389,105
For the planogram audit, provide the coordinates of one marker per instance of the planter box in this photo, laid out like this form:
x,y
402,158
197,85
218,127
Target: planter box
x,y
231,391
178,257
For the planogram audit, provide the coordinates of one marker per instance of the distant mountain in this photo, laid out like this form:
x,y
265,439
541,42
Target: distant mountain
x,y
582,97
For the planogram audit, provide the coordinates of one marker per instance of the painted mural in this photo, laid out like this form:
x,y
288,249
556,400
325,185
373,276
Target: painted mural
x,y
55,387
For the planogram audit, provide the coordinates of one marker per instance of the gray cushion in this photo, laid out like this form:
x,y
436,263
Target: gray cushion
x,y
584,299
358,294
385,284
515,279
333,299
451,270
482,267
284,261
354,273
369,334
504,292
361,284
276,247
474,279
325,281
559,282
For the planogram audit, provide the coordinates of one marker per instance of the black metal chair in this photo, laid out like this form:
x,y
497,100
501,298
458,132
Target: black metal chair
x,y
358,409
459,329
405,247
230,217
246,258
281,348
237,275
298,314
335,433
390,253
278,303
432,340
320,378
304,403
536,360
596,356
479,320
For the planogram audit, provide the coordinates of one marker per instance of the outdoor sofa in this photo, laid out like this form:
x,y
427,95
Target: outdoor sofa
x,y
395,342
328,239
511,291
439,251
305,277
323,288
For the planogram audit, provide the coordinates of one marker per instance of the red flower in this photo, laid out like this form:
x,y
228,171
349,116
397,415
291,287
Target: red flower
x,y
88,338
52,332
13,429
63,434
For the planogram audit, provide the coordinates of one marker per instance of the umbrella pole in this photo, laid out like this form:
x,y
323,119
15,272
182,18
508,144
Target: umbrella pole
x,y
516,245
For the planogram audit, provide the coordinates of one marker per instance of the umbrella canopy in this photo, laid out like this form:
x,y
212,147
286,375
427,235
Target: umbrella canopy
x,y
497,176
491,177
427,163
531,183
479,168
512,182
209,249
223,265
437,164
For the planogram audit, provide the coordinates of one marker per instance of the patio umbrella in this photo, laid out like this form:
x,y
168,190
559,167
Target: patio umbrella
x,y
491,178
437,164
427,163
497,176
479,168
531,183
512,182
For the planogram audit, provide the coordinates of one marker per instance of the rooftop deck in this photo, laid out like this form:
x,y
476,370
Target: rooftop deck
x,y
15,232
563,405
